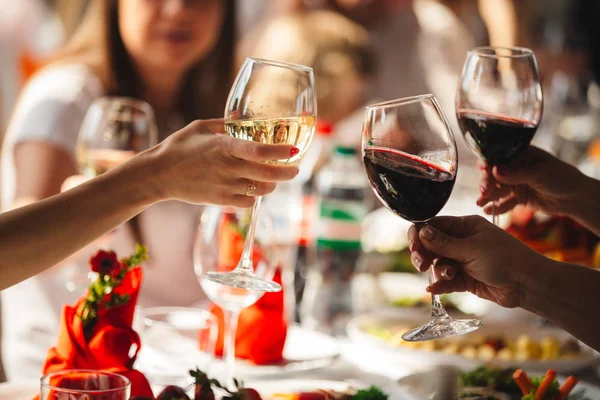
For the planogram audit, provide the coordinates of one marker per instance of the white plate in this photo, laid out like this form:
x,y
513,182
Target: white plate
x,y
267,388
304,350
422,358
19,390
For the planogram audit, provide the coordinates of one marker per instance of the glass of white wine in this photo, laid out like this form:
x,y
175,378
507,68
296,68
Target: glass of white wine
x,y
114,130
275,103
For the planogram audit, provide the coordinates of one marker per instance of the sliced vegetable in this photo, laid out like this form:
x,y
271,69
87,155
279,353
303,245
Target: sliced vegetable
x,y
567,387
523,381
548,380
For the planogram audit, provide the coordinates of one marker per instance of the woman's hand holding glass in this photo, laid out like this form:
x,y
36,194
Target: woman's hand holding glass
x,y
470,254
538,180
200,165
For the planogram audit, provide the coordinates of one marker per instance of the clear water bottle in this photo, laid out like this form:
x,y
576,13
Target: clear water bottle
x,y
341,208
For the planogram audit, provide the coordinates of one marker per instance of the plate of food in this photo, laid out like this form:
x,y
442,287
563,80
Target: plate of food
x,y
205,388
516,384
497,344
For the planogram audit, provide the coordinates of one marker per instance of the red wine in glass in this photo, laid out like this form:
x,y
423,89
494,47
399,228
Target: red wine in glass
x,y
496,138
413,188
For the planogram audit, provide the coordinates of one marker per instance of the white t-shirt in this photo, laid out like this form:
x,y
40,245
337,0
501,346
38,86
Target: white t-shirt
x,y
51,110
26,26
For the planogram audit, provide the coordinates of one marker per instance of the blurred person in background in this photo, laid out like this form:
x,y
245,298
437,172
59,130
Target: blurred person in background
x,y
419,46
335,47
177,56
29,32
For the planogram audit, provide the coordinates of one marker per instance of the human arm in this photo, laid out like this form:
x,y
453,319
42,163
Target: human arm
x,y
481,258
545,183
191,165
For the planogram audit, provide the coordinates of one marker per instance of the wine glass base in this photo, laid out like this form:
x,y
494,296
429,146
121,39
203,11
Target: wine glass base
x,y
242,280
442,327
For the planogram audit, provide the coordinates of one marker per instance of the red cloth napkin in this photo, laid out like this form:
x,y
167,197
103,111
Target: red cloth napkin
x,y
109,346
262,329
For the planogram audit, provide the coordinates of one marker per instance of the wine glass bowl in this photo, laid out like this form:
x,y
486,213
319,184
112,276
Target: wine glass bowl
x,y
410,157
401,135
499,103
273,103
114,130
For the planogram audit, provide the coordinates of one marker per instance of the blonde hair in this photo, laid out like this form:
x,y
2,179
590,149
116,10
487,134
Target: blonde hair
x,y
334,46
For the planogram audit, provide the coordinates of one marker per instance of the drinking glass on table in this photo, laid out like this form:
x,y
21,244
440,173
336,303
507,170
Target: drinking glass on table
x,y
499,103
114,130
270,102
218,246
84,385
410,158
176,340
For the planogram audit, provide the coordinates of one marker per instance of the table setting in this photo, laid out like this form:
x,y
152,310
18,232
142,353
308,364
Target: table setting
x,y
242,343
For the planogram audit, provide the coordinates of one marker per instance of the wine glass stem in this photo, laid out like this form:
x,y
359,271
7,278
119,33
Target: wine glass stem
x,y
494,216
437,309
245,265
231,323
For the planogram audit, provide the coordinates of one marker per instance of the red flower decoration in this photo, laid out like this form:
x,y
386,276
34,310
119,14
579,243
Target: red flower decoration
x,y
105,263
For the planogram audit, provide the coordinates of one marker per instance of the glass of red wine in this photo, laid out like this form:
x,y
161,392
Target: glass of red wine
x,y
499,103
411,161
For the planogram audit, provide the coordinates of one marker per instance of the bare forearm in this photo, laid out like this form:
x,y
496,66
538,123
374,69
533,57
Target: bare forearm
x,y
568,295
35,237
585,207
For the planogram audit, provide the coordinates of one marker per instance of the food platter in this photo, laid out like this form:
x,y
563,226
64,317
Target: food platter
x,y
496,343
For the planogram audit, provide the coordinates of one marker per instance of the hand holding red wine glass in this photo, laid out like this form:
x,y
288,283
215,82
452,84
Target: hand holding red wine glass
x,y
411,161
499,103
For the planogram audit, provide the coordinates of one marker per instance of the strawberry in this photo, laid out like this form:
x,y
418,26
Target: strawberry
x,y
141,398
173,393
249,394
202,386
242,393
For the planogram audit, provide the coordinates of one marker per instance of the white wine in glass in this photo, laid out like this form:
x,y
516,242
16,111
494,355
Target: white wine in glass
x,y
293,130
274,103
114,130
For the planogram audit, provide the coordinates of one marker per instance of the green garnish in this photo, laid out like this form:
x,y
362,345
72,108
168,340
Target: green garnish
x,y
371,393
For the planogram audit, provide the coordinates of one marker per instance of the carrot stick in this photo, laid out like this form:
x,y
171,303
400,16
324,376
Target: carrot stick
x,y
548,379
522,381
567,387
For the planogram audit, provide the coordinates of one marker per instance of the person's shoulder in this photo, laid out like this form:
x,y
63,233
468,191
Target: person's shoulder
x,y
64,81
53,104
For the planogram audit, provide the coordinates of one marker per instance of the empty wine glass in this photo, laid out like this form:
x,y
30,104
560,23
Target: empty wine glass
x,y
218,247
192,334
499,103
410,158
275,103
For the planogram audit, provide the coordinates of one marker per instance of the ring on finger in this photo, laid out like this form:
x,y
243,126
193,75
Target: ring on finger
x,y
251,188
